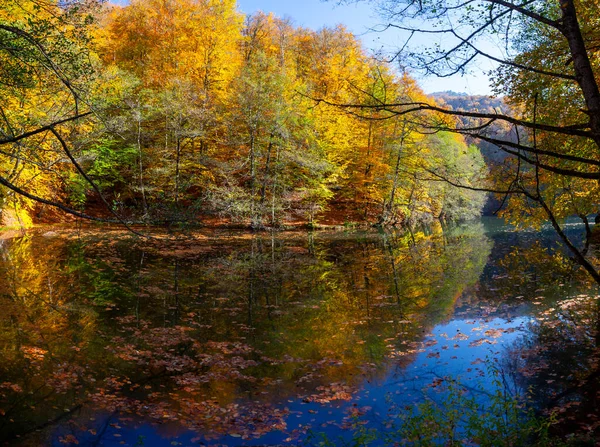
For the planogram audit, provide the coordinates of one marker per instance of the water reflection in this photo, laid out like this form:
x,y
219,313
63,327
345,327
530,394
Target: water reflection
x,y
232,338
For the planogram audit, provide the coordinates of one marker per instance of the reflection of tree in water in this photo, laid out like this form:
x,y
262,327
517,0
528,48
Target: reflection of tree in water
x,y
556,360
180,331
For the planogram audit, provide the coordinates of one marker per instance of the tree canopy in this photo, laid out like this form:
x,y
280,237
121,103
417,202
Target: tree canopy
x,y
177,110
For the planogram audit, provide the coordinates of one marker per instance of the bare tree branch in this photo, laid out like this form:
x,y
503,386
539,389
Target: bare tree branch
x,y
42,129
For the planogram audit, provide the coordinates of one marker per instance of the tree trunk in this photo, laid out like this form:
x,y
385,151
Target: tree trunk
x,y
141,166
263,191
584,73
177,164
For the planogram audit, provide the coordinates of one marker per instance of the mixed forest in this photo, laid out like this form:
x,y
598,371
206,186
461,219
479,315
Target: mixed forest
x,y
175,111
431,329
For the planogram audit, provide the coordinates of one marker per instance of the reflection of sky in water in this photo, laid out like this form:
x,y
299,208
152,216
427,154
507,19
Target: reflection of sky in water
x,y
460,352
457,350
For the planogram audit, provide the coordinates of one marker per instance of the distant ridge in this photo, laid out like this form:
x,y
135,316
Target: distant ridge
x,y
471,103
484,104
449,93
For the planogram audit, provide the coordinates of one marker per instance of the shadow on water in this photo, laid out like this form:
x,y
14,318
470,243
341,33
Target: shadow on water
x,y
241,339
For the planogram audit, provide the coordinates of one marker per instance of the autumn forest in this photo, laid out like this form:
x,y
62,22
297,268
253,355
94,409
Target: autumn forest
x,y
221,228
195,110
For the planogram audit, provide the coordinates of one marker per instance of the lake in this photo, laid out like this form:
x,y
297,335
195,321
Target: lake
x,y
232,338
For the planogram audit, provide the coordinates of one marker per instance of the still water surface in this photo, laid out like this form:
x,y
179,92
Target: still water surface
x,y
276,339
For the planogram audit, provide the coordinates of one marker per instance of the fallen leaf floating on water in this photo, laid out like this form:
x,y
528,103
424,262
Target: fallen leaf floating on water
x,y
481,341
494,333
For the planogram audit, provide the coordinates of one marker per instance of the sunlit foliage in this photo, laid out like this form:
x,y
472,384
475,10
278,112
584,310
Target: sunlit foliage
x,y
198,110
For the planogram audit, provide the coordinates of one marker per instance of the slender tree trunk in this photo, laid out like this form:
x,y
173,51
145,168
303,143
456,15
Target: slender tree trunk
x,y
177,170
253,217
390,207
368,166
141,166
411,199
263,191
274,188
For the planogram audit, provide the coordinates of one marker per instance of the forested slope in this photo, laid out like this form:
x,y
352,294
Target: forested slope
x,y
178,110
492,154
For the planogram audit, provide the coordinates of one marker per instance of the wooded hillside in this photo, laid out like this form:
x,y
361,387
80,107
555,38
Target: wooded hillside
x,y
177,110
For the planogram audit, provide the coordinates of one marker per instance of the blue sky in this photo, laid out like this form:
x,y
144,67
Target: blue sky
x,y
313,13
359,18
